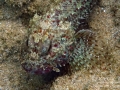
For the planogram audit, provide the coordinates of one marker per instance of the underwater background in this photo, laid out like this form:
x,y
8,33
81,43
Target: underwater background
x,y
92,57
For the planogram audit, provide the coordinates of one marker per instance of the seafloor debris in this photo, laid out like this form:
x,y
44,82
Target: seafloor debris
x,y
54,40
17,2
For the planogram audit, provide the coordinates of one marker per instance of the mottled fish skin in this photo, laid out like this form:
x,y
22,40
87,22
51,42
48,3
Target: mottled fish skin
x,y
50,46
